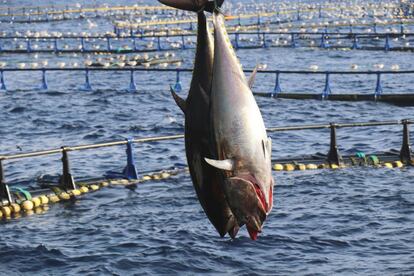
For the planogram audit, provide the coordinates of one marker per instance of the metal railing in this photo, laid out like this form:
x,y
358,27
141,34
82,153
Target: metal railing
x,y
130,171
327,91
162,42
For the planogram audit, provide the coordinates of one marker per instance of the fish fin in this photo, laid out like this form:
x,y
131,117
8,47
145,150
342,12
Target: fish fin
x,y
213,5
178,100
193,5
226,165
252,77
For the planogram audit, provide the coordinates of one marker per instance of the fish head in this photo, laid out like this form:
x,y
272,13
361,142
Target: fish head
x,y
248,186
248,201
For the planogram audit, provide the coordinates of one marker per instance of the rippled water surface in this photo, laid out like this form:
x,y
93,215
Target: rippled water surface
x,y
348,221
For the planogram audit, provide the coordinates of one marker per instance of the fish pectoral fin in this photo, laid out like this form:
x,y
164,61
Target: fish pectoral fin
x,y
226,165
252,77
178,100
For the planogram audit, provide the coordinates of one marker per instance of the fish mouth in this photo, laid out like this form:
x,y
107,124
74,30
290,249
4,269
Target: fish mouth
x,y
261,197
252,225
247,202
259,192
253,228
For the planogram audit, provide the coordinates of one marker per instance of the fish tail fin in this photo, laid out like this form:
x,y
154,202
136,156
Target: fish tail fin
x,y
193,5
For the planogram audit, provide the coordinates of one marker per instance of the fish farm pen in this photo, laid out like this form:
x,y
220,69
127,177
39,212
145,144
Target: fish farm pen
x,y
98,165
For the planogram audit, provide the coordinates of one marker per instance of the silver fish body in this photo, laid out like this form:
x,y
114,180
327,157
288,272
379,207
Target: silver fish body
x,y
207,181
240,139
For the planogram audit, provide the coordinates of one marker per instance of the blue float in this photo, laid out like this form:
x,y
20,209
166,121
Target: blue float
x,y
159,48
83,45
108,43
293,43
183,42
178,86
378,87
323,44
355,45
327,90
132,85
55,46
387,45
28,46
265,45
236,41
277,88
2,83
87,86
44,85
130,170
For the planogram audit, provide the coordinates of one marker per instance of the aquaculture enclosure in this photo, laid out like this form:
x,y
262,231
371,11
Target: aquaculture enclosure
x,y
86,107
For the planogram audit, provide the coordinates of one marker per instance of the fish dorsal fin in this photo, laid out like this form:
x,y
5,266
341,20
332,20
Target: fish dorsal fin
x,y
226,165
252,77
178,100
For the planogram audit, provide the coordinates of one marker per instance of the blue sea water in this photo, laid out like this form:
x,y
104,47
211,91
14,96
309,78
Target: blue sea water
x,y
354,221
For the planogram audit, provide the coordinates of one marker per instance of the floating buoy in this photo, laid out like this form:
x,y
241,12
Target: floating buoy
x,y
395,67
104,184
311,167
64,196
54,198
83,189
397,164
75,192
323,166
15,208
156,176
165,175
36,202
388,165
146,178
6,211
27,205
301,167
94,187
278,167
123,181
43,200
334,166
314,67
289,167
